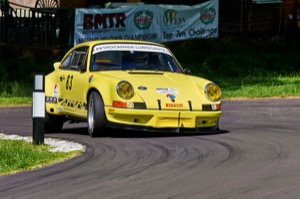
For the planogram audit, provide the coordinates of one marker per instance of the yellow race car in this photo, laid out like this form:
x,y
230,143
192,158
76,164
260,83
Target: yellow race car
x,y
128,84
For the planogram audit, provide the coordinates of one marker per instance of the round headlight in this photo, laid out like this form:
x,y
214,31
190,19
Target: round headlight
x,y
125,90
212,92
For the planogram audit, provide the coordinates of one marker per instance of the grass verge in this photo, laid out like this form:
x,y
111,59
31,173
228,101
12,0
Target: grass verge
x,y
260,87
19,155
15,101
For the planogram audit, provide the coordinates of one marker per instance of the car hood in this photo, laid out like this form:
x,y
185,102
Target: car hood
x,y
166,90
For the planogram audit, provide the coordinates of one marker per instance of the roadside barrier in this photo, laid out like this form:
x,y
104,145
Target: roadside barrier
x,y
38,109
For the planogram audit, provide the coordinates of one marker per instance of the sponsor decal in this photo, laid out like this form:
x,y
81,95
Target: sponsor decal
x,y
103,21
172,105
203,31
130,47
51,100
69,82
171,18
55,91
143,19
167,90
72,104
208,16
172,97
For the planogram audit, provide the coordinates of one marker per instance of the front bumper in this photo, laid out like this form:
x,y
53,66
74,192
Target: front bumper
x,y
162,119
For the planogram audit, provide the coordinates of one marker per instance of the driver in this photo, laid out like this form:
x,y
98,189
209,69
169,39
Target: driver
x,y
140,59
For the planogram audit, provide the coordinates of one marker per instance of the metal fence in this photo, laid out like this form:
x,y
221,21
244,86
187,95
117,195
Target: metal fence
x,y
48,27
54,27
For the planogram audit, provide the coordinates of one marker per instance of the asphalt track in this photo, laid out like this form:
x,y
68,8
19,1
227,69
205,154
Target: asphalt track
x,y
256,155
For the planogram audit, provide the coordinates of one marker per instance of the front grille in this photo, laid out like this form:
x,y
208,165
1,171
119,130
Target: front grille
x,y
206,107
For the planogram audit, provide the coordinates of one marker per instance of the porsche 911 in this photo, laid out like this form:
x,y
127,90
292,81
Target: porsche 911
x,y
134,85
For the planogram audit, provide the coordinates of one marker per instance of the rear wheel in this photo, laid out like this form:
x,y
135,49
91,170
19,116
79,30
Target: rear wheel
x,y
53,123
96,115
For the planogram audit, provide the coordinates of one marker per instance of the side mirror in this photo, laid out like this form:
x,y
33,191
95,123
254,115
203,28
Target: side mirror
x,y
56,65
187,71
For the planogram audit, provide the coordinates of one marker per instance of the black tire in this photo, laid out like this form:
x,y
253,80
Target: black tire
x,y
53,123
96,118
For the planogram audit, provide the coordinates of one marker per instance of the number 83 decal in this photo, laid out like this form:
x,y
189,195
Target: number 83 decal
x,y
69,82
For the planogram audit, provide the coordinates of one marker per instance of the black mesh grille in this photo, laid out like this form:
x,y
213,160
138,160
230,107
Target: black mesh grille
x,y
206,107
139,105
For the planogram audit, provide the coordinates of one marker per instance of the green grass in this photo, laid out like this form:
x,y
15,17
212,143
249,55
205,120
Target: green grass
x,y
19,155
15,93
15,101
260,87
12,89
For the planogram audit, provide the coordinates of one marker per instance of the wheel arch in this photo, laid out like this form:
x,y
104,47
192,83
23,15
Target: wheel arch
x,y
90,91
104,90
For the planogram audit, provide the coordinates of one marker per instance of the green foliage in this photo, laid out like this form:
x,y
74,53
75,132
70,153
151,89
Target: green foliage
x,y
226,61
22,70
230,58
9,89
17,70
244,68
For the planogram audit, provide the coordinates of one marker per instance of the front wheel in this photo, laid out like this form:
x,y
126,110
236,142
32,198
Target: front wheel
x,y
96,115
215,128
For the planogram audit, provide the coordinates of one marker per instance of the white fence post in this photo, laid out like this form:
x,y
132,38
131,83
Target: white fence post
x,y
38,108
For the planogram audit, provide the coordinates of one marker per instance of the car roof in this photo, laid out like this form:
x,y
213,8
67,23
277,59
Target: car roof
x,y
95,42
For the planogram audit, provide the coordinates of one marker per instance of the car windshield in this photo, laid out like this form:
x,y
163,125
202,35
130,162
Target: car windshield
x,y
134,60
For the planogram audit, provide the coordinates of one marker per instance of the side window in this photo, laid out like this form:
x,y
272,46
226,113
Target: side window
x,y
66,62
76,60
79,58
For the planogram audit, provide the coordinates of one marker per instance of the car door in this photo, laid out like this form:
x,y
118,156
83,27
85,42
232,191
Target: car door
x,y
73,83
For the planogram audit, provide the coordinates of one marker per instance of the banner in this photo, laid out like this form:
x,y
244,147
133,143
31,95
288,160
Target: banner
x,y
158,23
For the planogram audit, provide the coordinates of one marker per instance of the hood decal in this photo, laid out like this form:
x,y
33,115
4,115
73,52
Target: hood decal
x,y
172,105
167,90
172,97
